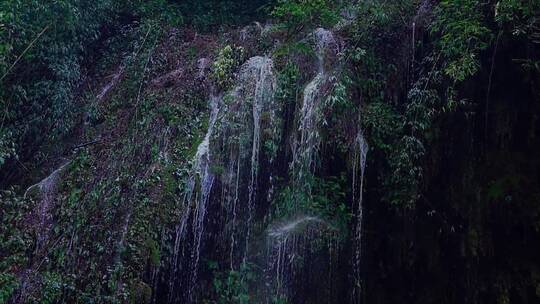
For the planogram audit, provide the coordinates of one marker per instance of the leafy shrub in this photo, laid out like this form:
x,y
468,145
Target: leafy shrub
x,y
325,198
298,15
226,65
383,125
7,146
463,34
8,285
521,19
15,239
233,286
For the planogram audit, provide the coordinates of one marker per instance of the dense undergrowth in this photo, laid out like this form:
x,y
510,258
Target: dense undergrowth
x,y
115,95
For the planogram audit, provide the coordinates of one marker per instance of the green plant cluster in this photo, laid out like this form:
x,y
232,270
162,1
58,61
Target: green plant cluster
x,y
463,34
15,241
233,286
227,63
321,197
295,16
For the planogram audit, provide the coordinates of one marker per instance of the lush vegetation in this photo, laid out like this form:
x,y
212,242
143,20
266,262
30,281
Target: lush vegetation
x,y
110,97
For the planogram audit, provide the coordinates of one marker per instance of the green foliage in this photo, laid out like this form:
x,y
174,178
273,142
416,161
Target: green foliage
x,y
206,15
15,239
140,293
338,99
41,61
154,254
8,285
401,153
288,84
403,182
227,63
521,19
51,289
233,286
372,54
394,147
279,300
7,146
324,198
290,49
463,34
383,124
298,15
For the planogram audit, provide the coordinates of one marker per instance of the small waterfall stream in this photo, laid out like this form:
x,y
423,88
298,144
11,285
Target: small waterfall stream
x,y
47,192
265,84
41,222
240,128
360,153
251,99
202,177
291,245
233,142
202,167
306,146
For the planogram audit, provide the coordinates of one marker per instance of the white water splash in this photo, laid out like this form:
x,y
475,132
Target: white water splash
x,y
289,246
287,228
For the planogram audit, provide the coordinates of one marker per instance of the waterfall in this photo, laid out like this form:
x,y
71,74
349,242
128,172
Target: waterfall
x,y
202,165
360,153
290,245
200,171
301,239
239,131
306,146
325,45
265,83
250,100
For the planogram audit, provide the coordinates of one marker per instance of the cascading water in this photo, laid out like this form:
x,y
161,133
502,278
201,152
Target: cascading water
x,y
242,118
250,99
360,153
200,172
307,144
247,110
304,237
202,165
263,96
289,248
